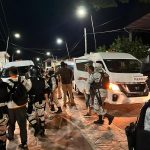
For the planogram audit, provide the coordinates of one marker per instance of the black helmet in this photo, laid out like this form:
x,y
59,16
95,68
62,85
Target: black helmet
x,y
34,71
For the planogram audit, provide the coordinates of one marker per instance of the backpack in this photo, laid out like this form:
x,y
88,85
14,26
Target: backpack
x,y
4,94
18,93
38,89
104,80
50,81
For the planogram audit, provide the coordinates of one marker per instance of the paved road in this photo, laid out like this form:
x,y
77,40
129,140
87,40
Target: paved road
x,y
71,130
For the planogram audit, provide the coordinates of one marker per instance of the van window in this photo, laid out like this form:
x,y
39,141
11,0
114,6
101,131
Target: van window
x,y
21,71
123,65
100,62
81,65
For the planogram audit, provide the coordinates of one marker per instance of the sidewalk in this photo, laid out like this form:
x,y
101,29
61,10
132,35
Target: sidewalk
x,y
100,137
72,131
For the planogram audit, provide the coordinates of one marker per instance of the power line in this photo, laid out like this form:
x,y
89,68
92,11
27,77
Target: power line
x,y
106,23
4,16
116,30
76,44
2,36
3,29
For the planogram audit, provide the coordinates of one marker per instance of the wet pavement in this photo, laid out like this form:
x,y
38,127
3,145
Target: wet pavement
x,y
72,131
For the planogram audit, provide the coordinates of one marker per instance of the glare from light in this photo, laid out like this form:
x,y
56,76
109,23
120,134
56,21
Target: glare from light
x,y
17,35
18,51
81,11
48,53
59,41
37,59
114,87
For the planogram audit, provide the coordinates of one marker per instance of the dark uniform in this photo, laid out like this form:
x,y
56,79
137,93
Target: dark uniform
x,y
4,97
36,104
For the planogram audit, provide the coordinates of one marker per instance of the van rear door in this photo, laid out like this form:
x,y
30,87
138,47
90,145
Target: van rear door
x,y
79,71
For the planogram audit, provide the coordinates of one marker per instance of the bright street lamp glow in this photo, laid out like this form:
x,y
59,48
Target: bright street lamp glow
x,y
81,11
37,59
59,41
48,53
17,35
18,51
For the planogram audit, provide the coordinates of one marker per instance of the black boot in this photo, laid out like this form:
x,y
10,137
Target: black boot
x,y
52,107
109,117
59,110
42,131
36,128
100,120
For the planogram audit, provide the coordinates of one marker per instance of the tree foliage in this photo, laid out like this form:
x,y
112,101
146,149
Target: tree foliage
x,y
135,47
98,4
101,49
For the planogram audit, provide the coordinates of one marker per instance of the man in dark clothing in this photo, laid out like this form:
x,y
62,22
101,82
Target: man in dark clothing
x,y
4,97
66,79
17,112
36,105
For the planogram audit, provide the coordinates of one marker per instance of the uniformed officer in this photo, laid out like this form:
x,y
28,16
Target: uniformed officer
x,y
98,94
53,83
37,96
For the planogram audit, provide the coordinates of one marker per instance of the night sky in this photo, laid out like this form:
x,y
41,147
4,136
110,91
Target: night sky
x,y
40,22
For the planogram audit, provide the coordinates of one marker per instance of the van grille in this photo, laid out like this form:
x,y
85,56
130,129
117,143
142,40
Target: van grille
x,y
134,90
136,87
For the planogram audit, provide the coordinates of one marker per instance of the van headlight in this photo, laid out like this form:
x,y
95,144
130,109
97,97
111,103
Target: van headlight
x,y
114,87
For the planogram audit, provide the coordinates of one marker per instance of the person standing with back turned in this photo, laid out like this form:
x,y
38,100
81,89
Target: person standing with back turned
x,y
17,112
66,79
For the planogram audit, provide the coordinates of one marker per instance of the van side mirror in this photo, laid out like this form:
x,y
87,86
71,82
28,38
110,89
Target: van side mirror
x,y
145,68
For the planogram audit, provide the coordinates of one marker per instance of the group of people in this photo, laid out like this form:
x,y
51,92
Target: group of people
x,y
25,98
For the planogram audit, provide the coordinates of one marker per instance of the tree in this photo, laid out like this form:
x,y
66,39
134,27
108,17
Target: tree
x,y
136,47
98,4
101,49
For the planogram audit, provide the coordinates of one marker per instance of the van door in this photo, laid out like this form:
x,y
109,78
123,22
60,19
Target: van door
x,y
79,71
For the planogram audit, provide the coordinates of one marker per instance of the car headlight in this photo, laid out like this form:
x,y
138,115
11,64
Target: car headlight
x,y
114,87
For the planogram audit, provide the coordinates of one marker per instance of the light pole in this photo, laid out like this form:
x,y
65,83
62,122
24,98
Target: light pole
x,y
60,41
17,52
17,36
82,13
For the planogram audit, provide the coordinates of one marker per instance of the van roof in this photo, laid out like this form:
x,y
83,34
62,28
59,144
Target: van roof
x,y
18,63
112,55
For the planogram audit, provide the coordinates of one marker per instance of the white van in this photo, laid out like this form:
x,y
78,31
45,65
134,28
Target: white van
x,y
22,67
127,84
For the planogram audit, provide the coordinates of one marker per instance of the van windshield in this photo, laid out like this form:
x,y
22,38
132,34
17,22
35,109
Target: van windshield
x,y
21,71
123,65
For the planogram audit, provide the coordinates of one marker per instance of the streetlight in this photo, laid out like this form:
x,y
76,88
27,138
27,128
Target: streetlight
x,y
17,36
48,53
60,41
17,52
37,59
81,13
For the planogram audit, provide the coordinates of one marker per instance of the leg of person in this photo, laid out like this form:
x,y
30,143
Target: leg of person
x,y
69,88
64,88
21,119
56,102
109,117
51,102
33,121
2,145
40,113
59,94
11,124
